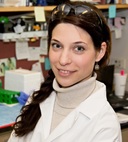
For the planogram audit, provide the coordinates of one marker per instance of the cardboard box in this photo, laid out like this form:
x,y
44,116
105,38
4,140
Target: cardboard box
x,y
22,80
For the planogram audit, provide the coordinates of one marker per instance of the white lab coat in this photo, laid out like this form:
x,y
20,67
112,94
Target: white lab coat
x,y
92,121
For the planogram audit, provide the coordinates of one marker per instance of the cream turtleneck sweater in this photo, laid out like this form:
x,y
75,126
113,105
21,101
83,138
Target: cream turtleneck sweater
x,y
69,98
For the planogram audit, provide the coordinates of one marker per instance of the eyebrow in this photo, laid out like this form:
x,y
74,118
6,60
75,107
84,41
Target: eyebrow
x,y
77,42
55,40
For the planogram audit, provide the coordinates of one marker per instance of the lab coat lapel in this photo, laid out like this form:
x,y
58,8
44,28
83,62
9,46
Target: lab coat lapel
x,y
46,112
66,124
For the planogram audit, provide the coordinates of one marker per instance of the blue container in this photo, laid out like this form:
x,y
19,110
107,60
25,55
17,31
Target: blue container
x,y
41,2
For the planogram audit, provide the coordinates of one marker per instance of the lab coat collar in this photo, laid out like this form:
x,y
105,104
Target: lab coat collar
x,y
98,99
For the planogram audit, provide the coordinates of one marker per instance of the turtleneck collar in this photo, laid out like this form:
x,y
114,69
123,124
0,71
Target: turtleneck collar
x,y
72,96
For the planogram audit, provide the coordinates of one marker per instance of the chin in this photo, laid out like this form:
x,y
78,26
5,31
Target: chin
x,y
66,85
63,84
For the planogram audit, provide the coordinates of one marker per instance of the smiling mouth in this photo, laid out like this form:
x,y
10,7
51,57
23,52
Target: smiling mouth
x,y
65,72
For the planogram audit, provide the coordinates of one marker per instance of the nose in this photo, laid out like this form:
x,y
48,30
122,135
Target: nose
x,y
65,58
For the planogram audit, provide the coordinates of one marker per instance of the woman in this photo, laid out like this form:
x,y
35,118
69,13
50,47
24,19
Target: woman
x,y
71,105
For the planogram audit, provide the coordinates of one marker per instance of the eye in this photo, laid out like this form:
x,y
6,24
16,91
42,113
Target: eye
x,y
79,49
55,45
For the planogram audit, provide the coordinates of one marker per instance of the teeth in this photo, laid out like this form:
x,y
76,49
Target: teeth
x,y
64,71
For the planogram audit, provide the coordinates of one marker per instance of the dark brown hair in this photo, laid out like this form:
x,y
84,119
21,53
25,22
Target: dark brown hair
x,y
30,114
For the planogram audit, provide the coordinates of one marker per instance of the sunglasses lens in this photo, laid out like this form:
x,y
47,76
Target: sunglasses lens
x,y
66,9
60,11
81,10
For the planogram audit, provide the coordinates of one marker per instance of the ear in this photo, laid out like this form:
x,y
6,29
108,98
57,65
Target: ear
x,y
101,53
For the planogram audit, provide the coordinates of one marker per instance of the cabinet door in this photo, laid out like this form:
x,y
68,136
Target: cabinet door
x,y
125,135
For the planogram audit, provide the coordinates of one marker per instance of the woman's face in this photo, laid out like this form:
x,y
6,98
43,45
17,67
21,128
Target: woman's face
x,y
72,54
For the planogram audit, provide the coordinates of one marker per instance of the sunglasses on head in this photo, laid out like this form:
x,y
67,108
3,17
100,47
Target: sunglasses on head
x,y
67,9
